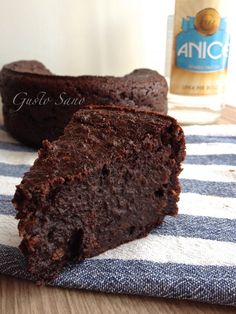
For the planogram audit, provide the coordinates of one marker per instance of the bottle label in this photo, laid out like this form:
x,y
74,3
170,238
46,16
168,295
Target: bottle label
x,y
201,50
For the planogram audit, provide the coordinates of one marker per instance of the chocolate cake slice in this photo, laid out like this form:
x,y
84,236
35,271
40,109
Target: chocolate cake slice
x,y
38,105
109,179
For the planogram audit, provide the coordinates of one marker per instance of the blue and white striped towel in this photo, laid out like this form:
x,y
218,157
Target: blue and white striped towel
x,y
192,256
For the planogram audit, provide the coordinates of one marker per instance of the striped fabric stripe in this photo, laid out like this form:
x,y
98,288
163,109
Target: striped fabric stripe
x,y
224,159
204,149
17,157
207,205
190,251
6,206
185,226
8,184
198,227
223,189
193,139
9,170
191,256
224,173
8,231
198,282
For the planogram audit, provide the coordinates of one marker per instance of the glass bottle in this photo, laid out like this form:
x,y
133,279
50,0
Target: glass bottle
x,y
199,60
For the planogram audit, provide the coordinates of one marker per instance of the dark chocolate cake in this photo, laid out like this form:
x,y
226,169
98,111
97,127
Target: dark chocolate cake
x,y
37,105
109,179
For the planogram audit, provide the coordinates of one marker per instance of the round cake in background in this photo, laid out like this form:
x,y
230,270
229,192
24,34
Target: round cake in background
x,y
38,104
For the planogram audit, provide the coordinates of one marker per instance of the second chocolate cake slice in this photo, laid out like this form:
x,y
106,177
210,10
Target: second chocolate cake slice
x,y
111,178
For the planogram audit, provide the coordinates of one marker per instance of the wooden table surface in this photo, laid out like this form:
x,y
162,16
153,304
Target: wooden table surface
x,y
23,297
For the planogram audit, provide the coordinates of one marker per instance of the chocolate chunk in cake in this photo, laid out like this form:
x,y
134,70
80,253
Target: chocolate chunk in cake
x,y
109,179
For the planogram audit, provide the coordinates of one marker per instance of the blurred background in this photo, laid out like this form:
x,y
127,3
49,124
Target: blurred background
x,y
99,37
